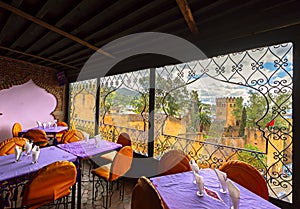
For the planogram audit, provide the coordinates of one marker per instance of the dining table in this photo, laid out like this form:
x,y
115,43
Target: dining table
x,y
179,191
49,130
12,172
86,149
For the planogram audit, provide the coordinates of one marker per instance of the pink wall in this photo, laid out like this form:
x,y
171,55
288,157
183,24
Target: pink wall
x,y
25,104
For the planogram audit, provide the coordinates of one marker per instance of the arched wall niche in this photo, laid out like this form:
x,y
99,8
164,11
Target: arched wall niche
x,y
15,73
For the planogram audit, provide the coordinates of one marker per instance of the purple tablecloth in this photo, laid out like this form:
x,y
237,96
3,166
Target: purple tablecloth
x,y
48,130
10,169
179,192
84,149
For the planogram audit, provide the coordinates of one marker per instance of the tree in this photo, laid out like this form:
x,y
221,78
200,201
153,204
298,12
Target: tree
x,y
200,113
140,103
254,159
237,111
262,109
243,123
256,108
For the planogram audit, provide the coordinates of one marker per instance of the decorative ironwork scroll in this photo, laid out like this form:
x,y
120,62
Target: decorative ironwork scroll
x,y
202,105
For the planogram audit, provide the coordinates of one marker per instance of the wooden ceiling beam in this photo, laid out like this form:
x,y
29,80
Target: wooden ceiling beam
x,y
188,15
38,57
52,28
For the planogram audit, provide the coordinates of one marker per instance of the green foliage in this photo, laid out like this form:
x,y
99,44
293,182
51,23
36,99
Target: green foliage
x,y
200,113
237,111
262,109
254,159
243,123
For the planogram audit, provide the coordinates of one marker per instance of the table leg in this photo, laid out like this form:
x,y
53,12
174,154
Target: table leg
x,y
79,185
73,196
55,142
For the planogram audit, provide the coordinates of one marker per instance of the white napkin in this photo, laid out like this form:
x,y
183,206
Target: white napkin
x,y
200,184
222,178
97,139
195,169
28,147
35,153
18,152
39,123
234,193
44,125
49,124
86,136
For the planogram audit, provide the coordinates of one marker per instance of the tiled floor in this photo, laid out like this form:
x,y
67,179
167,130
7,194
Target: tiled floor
x,y
116,202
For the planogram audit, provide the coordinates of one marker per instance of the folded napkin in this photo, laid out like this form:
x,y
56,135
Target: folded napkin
x,y
97,139
194,166
222,178
18,152
39,124
44,125
234,193
195,169
86,136
35,153
200,184
28,147
49,124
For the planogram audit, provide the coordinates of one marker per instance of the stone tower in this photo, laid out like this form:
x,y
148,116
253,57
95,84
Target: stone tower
x,y
224,110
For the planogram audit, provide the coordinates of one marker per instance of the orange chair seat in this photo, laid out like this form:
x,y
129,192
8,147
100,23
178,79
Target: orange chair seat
x,y
103,171
247,176
50,183
174,161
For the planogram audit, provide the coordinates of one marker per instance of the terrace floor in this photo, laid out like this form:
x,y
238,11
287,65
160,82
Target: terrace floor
x,y
138,168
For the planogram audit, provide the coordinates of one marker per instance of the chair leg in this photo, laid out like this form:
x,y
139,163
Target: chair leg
x,y
93,192
122,189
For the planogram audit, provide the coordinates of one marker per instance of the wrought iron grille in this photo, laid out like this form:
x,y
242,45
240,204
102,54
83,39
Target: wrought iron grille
x,y
124,106
82,100
197,105
235,106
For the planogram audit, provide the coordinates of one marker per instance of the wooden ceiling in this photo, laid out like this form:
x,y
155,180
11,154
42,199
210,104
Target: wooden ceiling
x,y
63,34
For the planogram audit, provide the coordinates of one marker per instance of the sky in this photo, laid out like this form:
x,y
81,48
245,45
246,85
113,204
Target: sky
x,y
209,88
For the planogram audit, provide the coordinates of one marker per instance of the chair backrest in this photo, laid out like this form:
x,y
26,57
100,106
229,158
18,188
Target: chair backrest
x,y
61,123
49,183
247,176
174,161
72,136
38,137
145,195
17,127
8,146
124,139
121,163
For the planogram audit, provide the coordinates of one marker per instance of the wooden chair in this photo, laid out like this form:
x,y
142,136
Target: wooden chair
x,y
59,135
49,184
8,146
61,123
72,136
247,176
145,195
124,140
112,172
174,161
38,137
17,127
